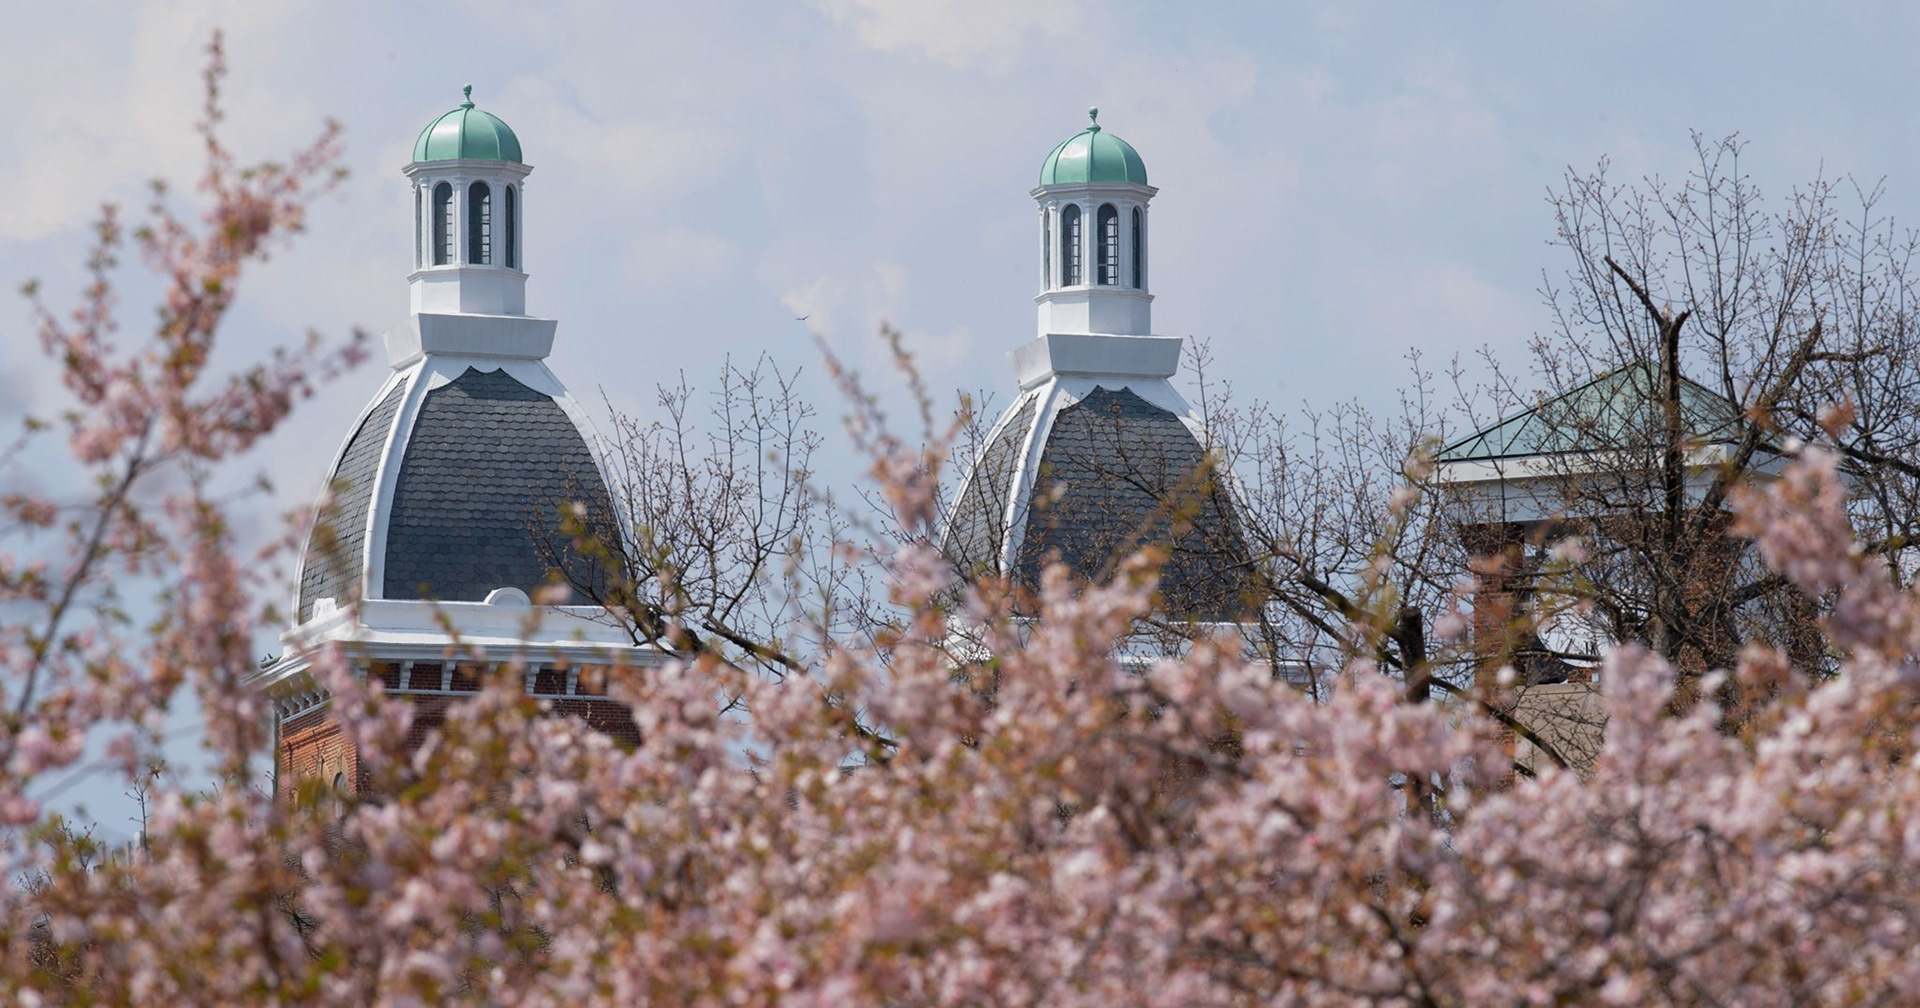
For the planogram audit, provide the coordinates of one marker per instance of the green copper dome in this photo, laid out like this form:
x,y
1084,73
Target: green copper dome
x,y
1093,155
467,132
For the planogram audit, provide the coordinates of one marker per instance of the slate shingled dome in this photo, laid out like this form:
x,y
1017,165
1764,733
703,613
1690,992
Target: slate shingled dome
x,y
1098,479
457,491
489,466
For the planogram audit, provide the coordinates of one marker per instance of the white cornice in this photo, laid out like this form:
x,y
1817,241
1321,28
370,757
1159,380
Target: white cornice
x,y
467,168
1134,189
1096,355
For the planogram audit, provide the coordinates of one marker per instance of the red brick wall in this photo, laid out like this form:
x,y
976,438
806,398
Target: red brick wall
x,y
1495,552
312,747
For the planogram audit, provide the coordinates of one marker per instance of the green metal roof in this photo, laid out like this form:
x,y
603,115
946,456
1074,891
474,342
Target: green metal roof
x,y
1093,155
467,132
1613,411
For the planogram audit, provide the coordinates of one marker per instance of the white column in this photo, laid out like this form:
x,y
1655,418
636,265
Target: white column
x,y
419,207
1046,238
427,186
457,255
1146,256
1088,239
1053,244
1089,244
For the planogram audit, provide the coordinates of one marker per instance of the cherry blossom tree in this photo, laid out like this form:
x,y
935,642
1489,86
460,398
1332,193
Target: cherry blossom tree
x,y
1041,824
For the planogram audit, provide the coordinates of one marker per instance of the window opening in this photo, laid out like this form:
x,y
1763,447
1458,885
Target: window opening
x,y
423,676
1109,221
510,218
1070,246
442,224
479,224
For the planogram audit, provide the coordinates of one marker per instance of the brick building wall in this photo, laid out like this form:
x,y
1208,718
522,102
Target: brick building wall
x,y
313,749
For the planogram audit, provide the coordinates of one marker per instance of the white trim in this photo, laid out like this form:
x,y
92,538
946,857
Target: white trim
x,y
333,473
1099,355
374,569
1137,294
1535,488
1120,190
1156,391
1576,463
973,472
409,630
1020,491
468,334
471,166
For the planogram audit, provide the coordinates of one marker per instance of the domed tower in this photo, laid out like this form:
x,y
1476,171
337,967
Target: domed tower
x,y
447,495
1093,198
468,183
1098,454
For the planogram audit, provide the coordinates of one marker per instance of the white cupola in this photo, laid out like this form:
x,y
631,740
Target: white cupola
x,y
469,283
1093,197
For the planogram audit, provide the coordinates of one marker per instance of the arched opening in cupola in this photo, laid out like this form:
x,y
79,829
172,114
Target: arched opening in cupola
x,y
442,224
1108,220
510,222
479,224
1070,246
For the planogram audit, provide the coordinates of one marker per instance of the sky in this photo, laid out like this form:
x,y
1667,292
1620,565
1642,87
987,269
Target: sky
x,y
1339,182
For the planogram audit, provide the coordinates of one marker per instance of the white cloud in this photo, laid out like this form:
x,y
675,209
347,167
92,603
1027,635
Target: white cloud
x,y
682,257
960,34
841,308
1435,119
96,114
632,154
817,303
1439,306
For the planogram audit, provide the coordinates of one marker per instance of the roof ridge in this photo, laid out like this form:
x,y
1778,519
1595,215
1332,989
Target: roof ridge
x,y
1639,364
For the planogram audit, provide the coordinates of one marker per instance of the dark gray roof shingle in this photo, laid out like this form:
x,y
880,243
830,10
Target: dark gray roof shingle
x,y
477,505
1119,473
